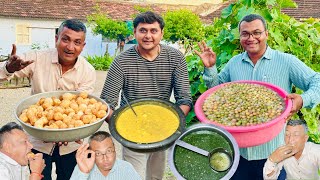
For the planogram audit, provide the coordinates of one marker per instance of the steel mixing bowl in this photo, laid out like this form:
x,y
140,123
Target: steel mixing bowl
x,y
57,135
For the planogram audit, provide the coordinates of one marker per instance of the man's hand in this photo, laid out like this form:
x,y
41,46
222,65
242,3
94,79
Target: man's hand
x,y
85,163
36,163
282,153
109,116
64,143
207,56
59,143
15,63
297,103
185,109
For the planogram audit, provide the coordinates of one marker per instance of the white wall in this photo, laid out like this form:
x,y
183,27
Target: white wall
x,y
43,33
93,45
40,33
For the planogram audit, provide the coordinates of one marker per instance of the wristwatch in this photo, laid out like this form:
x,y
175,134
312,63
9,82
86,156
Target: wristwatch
x,y
274,163
5,69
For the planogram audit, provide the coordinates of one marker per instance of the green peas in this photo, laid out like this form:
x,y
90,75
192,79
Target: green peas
x,y
243,104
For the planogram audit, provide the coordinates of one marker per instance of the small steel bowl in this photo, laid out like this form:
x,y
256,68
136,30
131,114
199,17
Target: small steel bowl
x,y
225,152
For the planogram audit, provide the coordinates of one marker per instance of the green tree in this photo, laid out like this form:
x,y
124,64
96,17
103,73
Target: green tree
x,y
140,9
183,26
301,39
113,30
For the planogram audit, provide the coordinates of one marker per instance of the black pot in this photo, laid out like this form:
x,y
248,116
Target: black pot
x,y
148,147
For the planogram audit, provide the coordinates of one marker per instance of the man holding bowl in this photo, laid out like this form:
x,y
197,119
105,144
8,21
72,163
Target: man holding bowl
x,y
148,70
261,63
55,70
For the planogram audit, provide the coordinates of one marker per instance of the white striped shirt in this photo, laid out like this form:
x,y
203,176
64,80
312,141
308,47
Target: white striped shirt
x,y
274,67
10,169
306,167
140,78
121,170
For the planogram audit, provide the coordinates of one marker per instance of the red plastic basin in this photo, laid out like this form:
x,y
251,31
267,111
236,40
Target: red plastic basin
x,y
248,136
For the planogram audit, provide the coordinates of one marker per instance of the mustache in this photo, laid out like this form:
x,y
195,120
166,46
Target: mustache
x,y
69,52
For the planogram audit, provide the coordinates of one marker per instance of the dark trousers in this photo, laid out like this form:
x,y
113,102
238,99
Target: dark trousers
x,y
64,164
253,170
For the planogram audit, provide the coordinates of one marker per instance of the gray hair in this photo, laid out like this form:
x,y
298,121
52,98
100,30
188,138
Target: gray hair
x,y
4,130
99,136
252,17
73,24
297,123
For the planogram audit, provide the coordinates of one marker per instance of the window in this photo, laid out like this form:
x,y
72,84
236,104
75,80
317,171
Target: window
x,y
22,34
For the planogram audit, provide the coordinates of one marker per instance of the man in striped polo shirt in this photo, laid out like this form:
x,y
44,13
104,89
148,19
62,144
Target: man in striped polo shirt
x,y
148,70
261,63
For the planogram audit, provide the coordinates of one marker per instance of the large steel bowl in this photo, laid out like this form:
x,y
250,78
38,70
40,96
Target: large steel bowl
x,y
57,135
148,147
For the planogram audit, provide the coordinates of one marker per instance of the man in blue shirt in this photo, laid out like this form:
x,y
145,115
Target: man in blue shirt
x,y
261,63
97,161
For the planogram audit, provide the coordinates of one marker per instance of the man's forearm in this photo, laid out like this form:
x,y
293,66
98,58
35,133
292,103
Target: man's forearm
x,y
271,170
109,115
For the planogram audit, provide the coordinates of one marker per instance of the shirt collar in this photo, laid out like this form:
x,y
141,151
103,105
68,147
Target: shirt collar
x,y
114,167
55,59
266,55
305,149
304,152
8,159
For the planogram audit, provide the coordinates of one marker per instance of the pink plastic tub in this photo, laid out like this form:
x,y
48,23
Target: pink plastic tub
x,y
248,136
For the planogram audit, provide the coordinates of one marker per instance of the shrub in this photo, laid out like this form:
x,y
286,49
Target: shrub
x,y
101,63
183,25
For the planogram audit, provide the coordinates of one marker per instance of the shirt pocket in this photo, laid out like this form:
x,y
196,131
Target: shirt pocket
x,y
270,78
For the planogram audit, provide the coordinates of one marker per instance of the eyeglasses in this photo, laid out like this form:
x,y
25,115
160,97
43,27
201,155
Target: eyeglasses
x,y
107,153
255,34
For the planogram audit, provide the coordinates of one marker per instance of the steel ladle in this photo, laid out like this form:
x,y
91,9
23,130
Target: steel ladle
x,y
205,153
124,97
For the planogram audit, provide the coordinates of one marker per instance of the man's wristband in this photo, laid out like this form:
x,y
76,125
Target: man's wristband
x,y
271,160
38,174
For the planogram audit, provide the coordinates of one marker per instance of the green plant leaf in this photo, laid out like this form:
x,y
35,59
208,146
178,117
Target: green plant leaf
x,y
183,25
100,62
190,117
226,11
243,11
287,4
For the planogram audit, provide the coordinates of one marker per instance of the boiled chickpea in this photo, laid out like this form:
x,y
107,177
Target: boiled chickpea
x,y
83,94
101,114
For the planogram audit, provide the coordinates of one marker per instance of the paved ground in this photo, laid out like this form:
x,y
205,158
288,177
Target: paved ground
x,y
9,98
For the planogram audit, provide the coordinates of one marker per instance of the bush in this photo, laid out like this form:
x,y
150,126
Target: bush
x,y
101,63
183,25
109,28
